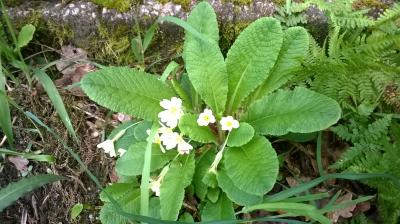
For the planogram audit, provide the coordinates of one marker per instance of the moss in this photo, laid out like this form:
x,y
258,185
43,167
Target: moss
x,y
112,45
229,33
119,5
184,3
61,33
369,4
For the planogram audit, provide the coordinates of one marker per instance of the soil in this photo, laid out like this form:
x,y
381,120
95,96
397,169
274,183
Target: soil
x,y
52,203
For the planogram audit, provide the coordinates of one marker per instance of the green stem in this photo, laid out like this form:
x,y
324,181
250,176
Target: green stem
x,y
145,185
319,155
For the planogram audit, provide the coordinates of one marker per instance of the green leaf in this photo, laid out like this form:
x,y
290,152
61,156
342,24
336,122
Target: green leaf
x,y
220,210
251,58
56,100
148,37
127,90
5,117
186,217
172,189
234,193
241,135
15,190
294,209
76,210
129,200
213,194
204,61
25,35
131,163
294,48
188,126
140,132
117,191
252,167
126,140
299,111
202,166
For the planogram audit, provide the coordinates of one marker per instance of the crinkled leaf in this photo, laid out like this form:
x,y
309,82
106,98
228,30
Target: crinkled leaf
x,y
202,166
128,198
220,210
127,90
131,163
294,48
251,58
299,111
252,167
172,190
188,126
204,61
241,135
234,193
25,35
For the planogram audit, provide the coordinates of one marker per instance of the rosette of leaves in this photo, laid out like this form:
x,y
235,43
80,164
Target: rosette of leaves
x,y
245,85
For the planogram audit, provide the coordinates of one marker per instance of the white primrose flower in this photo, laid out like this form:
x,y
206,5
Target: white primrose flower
x,y
121,152
155,187
172,140
157,138
228,123
172,113
184,147
108,145
206,118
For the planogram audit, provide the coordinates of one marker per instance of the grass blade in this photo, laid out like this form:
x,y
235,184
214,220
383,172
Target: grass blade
x,y
56,99
31,156
296,209
5,116
148,37
15,190
348,176
185,26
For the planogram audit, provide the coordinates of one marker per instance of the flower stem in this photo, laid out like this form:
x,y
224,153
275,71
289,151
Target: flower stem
x,y
145,185
219,155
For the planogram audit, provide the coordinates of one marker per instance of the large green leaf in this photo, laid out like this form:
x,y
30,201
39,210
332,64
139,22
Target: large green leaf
x,y
294,48
234,193
220,210
172,190
298,111
188,126
204,61
241,135
251,58
252,167
131,163
126,140
127,197
25,35
202,166
127,90
15,190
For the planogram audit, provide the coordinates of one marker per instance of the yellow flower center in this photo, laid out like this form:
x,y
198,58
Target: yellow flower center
x,y
229,123
206,118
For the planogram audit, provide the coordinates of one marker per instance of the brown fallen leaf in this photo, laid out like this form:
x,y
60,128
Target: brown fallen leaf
x,y
19,162
345,212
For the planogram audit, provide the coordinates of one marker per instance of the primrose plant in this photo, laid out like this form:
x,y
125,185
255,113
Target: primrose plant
x,y
203,138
